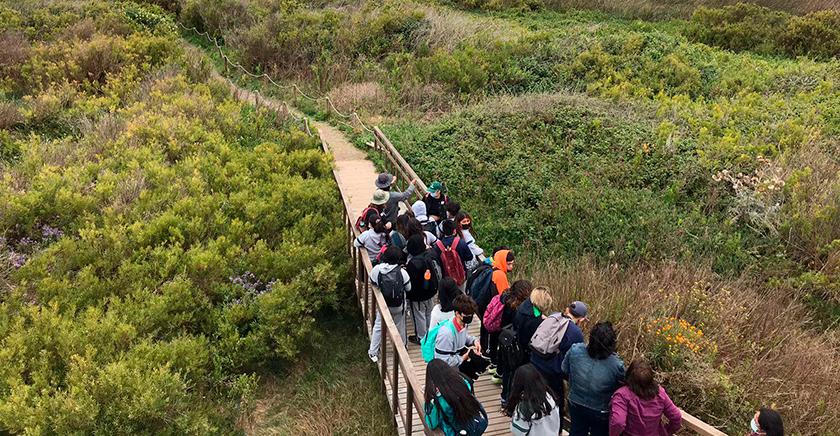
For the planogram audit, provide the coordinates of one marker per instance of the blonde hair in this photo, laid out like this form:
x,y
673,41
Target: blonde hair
x,y
541,299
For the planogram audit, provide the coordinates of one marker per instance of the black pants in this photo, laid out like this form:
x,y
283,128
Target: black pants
x,y
474,365
489,343
588,422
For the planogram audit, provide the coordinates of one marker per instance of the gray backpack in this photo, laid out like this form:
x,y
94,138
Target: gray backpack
x,y
392,287
546,340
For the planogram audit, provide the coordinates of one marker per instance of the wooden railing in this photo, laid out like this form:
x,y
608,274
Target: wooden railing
x,y
395,366
397,165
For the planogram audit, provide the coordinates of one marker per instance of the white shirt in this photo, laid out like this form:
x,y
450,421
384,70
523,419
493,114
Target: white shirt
x,y
438,316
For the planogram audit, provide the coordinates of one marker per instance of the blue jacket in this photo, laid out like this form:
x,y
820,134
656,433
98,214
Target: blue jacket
x,y
553,367
592,382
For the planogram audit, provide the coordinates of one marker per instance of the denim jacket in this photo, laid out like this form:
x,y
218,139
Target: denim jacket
x,y
592,382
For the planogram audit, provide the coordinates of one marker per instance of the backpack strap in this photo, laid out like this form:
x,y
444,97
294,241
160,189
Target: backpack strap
x,y
448,353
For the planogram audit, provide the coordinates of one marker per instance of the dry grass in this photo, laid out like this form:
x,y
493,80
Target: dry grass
x,y
767,353
9,115
447,28
684,8
366,97
331,389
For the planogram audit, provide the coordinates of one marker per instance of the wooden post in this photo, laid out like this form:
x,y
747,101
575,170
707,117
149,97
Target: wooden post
x,y
395,387
383,350
409,407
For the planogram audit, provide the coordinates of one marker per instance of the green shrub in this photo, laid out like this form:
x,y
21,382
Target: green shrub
x,y
160,241
744,26
755,28
816,34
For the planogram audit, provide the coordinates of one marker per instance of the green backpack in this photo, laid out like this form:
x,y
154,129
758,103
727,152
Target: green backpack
x,y
427,347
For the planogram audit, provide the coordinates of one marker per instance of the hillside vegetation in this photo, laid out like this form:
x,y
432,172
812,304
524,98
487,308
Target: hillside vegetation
x,y
161,242
689,193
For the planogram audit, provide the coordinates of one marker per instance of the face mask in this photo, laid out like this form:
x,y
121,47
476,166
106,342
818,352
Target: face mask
x,y
754,426
467,319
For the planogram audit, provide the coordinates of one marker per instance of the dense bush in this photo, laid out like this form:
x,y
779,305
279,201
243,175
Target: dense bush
x,y
160,241
589,185
748,26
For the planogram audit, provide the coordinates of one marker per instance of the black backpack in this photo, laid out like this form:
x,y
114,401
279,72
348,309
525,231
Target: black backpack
x,y
431,227
425,262
392,287
509,354
481,288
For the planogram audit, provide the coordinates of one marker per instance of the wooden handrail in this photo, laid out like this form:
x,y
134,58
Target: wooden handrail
x,y
402,361
403,170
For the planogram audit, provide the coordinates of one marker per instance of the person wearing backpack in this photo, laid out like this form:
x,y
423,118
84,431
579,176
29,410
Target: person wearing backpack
x,y
425,278
393,282
453,254
527,318
552,339
374,210
530,314
374,239
595,372
435,201
419,210
455,346
453,208
450,402
445,309
415,228
533,406
392,207
502,264
500,312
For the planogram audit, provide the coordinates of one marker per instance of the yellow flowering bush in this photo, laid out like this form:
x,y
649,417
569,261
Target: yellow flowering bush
x,y
676,342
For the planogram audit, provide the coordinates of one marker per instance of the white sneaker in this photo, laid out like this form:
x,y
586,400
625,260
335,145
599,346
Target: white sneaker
x,y
373,357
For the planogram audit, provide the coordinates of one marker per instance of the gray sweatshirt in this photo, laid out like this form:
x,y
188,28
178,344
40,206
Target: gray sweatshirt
x,y
392,208
372,242
449,343
384,268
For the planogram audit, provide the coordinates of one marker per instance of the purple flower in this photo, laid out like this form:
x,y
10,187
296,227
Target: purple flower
x,y
26,241
50,232
17,259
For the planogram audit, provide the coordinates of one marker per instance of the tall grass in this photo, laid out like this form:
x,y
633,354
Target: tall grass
x,y
764,354
684,8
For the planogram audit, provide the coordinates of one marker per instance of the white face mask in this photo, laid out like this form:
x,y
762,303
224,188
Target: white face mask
x,y
754,426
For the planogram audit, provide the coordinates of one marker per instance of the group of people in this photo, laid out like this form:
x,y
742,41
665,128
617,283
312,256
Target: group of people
x,y
429,252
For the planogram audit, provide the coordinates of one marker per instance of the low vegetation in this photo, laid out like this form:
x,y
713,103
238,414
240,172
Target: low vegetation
x,y
606,148
161,242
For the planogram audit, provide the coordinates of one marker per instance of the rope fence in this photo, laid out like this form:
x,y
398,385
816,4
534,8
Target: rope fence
x,y
291,87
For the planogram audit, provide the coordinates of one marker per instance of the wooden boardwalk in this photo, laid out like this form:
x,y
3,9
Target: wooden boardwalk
x,y
355,175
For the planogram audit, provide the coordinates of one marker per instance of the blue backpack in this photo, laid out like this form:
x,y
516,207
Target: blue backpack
x,y
427,347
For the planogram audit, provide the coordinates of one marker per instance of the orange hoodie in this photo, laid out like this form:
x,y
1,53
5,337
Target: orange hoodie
x,y
500,269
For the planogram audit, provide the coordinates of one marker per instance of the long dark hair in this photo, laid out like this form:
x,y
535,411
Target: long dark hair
x,y
602,341
519,291
641,380
402,225
446,294
771,422
447,381
529,394
413,227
